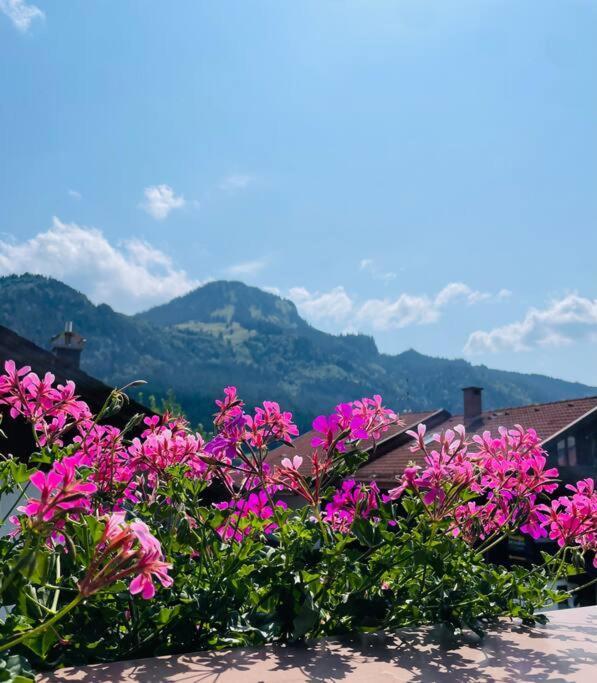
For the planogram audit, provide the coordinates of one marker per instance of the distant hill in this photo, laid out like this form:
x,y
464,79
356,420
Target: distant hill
x,y
225,303
229,333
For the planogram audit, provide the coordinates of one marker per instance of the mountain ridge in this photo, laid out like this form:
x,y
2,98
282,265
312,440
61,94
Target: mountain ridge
x,y
195,305
230,333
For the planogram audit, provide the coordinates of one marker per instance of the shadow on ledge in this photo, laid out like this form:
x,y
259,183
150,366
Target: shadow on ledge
x,y
560,651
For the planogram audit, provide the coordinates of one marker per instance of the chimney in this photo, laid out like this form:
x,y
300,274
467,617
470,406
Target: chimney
x,y
472,403
67,346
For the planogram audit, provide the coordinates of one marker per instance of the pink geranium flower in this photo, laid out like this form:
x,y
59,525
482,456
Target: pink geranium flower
x,y
126,549
51,410
60,493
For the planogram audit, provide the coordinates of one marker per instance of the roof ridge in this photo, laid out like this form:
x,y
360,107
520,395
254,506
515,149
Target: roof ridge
x,y
535,405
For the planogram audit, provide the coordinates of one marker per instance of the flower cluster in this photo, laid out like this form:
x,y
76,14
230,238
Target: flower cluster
x,y
162,448
51,410
102,450
121,469
352,422
255,505
351,501
507,477
215,505
572,520
126,549
343,430
237,429
61,494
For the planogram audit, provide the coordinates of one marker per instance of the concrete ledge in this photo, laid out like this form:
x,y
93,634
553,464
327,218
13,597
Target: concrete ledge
x,y
563,650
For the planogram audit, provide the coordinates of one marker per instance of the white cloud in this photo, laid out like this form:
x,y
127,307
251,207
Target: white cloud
x,y
20,13
246,269
236,181
334,305
458,290
416,309
369,266
406,310
74,194
338,306
561,323
160,200
146,255
129,278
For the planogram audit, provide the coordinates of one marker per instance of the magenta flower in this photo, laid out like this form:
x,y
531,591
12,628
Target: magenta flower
x,y
256,505
408,479
535,525
351,423
328,427
228,409
274,423
51,410
572,520
349,501
419,437
61,493
288,476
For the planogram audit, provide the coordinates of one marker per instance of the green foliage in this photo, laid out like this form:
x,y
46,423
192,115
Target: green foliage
x,y
162,404
16,669
302,580
197,343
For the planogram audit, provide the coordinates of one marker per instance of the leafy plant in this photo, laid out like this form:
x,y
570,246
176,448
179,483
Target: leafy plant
x,y
127,543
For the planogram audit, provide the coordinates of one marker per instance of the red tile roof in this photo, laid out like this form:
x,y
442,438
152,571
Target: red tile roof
x,y
548,419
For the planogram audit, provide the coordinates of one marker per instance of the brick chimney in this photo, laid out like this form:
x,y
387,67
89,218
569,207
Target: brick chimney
x,y
473,404
67,346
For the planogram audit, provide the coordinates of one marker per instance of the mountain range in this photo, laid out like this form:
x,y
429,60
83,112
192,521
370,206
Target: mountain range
x,y
229,333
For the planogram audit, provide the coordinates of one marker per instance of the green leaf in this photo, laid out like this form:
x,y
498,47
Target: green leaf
x,y
16,669
42,457
366,532
39,575
166,614
20,472
409,505
96,528
305,619
42,642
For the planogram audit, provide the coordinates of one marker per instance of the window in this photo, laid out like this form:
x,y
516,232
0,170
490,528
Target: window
x,y
571,443
586,446
566,452
561,447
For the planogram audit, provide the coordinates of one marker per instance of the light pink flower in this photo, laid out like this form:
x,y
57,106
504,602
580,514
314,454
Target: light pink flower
x,y
293,464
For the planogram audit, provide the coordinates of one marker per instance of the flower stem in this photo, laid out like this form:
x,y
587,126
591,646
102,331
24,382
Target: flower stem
x,y
499,539
586,585
13,506
42,627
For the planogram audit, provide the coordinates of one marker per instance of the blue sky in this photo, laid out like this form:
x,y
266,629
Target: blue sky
x,y
423,171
